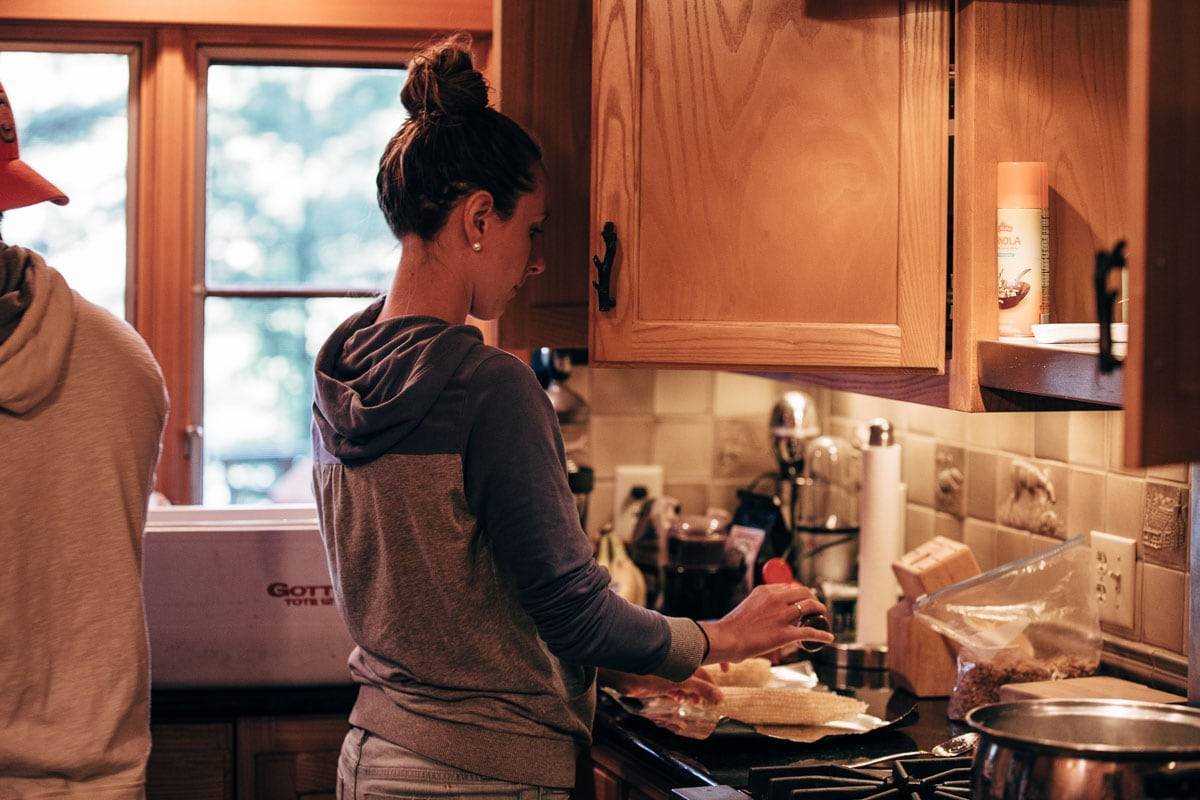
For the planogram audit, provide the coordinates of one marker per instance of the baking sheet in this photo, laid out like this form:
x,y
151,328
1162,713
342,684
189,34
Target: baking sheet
x,y
697,721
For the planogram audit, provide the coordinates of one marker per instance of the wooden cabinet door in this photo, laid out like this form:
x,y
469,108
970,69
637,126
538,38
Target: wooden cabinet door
x,y
190,762
1162,370
776,174
542,51
289,758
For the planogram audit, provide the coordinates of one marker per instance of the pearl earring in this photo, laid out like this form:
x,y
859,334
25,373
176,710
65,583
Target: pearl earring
x,y
477,247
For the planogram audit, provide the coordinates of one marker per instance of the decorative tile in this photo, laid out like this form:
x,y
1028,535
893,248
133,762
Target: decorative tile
x,y
949,479
1164,597
982,430
917,467
620,440
1015,433
683,392
918,526
1123,507
1086,513
1087,439
981,538
1164,525
684,447
621,391
1059,476
981,485
1012,544
737,395
1028,499
1169,472
692,497
742,449
858,407
1116,445
1051,434
949,526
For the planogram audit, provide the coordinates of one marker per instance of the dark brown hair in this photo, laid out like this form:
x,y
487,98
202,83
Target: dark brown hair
x,y
452,143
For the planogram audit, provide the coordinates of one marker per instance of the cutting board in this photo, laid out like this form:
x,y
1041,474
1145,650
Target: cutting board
x,y
1099,687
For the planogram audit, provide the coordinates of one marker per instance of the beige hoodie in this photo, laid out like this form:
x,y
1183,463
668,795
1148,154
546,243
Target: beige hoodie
x,y
82,409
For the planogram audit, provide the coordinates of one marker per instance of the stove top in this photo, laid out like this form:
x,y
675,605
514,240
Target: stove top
x,y
905,779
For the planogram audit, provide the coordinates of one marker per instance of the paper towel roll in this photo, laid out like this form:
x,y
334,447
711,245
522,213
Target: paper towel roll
x,y
879,540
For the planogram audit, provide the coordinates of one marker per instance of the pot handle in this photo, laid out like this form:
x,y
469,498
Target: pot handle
x,y
1176,781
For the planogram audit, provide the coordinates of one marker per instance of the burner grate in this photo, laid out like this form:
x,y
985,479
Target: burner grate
x,y
906,779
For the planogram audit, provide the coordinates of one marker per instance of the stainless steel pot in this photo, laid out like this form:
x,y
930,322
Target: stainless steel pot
x,y
1088,749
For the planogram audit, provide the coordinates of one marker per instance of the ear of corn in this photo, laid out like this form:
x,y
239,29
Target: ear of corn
x,y
752,672
769,706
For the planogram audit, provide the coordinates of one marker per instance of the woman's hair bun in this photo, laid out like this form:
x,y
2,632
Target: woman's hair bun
x,y
442,80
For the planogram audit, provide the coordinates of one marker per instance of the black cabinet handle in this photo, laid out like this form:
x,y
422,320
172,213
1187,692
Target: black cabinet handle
x,y
604,299
1107,261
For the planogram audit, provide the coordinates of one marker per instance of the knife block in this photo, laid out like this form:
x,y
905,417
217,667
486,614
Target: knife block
x,y
921,660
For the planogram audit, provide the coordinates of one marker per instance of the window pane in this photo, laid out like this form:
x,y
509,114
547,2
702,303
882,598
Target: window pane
x,y
292,157
258,378
72,112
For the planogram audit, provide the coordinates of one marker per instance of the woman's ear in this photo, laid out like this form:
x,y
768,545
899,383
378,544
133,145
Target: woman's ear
x,y
476,209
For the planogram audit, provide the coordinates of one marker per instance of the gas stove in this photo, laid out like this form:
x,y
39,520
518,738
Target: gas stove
x,y
905,779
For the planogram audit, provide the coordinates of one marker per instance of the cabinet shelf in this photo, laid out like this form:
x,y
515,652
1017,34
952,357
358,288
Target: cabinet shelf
x,y
1035,376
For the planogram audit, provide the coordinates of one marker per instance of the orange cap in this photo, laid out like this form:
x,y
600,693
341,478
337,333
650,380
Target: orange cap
x,y
1021,184
20,185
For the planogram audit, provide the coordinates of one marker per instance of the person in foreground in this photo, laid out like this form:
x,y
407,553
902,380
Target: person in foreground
x,y
456,554
82,410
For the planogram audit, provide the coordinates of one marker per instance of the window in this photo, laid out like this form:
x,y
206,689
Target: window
x,y
72,111
294,243
222,183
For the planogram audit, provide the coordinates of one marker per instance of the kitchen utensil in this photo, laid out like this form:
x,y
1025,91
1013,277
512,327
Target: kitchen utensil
x,y
960,745
1094,749
1096,687
794,422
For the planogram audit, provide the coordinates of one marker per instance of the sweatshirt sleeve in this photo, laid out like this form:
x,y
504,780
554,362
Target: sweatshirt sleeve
x,y
516,485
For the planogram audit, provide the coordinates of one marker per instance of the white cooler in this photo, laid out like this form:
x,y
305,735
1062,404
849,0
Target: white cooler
x,y
241,597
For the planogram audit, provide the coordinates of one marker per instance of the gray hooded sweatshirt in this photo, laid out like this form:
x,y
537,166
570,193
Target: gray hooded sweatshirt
x,y
457,557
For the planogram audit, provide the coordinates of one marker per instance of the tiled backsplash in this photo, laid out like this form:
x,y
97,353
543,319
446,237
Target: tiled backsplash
x,y
709,431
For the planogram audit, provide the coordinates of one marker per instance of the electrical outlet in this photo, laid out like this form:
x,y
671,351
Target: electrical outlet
x,y
1116,577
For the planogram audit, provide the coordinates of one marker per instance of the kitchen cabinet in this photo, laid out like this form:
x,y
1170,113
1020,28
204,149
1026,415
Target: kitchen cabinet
x,y
1162,370
616,777
289,758
190,762
776,177
541,63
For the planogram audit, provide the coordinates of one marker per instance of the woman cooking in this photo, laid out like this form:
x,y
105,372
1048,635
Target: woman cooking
x,y
455,549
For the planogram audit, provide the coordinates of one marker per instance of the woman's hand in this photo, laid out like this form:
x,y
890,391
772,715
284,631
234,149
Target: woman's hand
x,y
763,622
697,689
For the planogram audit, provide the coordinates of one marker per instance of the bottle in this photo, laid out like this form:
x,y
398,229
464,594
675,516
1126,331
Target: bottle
x,y
1022,246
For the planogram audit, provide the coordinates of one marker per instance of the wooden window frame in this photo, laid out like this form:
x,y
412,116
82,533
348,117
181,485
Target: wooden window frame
x,y
166,189
133,46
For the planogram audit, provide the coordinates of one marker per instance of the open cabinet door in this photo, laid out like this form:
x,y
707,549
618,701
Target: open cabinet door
x,y
1162,380
775,173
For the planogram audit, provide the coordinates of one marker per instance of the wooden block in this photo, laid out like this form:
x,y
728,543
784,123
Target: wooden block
x,y
1100,687
920,659
934,565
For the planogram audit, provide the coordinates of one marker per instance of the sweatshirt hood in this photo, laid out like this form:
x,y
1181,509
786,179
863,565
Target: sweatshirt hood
x,y
37,320
376,381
